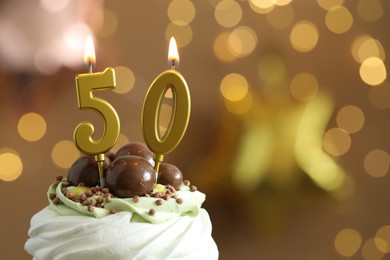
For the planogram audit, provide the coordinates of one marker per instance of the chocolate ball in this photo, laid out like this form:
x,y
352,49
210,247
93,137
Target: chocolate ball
x,y
170,174
85,170
130,175
135,148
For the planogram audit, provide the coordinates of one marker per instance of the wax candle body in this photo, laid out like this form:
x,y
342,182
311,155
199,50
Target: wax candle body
x,y
85,85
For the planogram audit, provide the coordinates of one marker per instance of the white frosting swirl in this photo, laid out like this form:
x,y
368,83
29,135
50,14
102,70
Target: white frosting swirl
x,y
114,237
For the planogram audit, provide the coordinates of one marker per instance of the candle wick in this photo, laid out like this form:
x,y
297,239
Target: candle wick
x,y
89,66
173,66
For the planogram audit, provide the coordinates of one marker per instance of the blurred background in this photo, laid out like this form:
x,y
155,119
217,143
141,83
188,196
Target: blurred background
x,y
288,134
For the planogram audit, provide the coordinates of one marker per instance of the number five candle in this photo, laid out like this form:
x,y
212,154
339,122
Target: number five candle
x,y
85,85
170,79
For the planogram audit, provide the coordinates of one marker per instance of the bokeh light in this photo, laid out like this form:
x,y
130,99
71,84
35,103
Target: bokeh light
x,y
282,2
373,71
364,47
382,239
181,12
234,87
304,36
73,43
109,25
261,6
350,118
228,13
377,163
221,48
11,165
240,106
369,10
242,41
347,242
64,154
281,17
304,86
54,6
182,33
337,141
31,127
235,91
370,250
329,4
125,79
339,19
381,244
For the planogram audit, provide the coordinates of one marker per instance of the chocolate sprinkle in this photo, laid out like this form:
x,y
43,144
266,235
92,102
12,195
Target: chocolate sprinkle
x,y
92,202
166,196
52,196
107,197
89,193
69,195
83,196
56,201
135,198
171,188
157,194
97,196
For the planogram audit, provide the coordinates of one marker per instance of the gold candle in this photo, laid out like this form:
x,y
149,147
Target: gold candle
x,y
85,85
170,79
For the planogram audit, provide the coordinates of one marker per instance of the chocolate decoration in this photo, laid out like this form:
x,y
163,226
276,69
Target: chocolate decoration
x,y
130,175
85,170
135,148
170,174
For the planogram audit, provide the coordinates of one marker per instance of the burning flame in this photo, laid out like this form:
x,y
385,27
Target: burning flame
x,y
173,55
89,53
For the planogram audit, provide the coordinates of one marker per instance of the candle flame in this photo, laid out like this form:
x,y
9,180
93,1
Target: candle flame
x,y
173,55
89,53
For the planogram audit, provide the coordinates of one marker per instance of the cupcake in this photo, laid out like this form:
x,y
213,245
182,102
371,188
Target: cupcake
x,y
138,214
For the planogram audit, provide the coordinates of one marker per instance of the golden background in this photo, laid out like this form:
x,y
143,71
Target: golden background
x,y
289,123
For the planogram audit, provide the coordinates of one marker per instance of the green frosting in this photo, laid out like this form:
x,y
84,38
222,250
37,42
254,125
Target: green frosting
x,y
169,209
